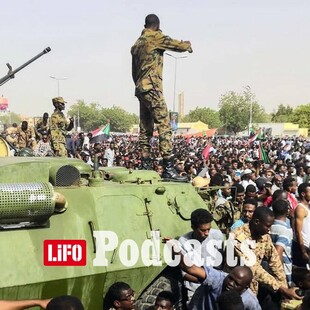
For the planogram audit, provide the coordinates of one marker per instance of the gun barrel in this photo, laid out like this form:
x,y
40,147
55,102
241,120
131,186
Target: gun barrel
x,y
10,75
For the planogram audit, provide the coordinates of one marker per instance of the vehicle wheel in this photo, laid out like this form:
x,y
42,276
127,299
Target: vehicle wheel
x,y
163,283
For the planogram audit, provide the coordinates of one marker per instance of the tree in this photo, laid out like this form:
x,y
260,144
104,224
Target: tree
x,y
9,118
282,115
301,116
205,115
120,120
93,116
235,110
89,115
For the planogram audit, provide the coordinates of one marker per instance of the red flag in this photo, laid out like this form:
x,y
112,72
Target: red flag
x,y
206,152
188,139
100,134
257,135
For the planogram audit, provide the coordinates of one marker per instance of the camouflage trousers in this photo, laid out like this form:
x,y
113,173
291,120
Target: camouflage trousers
x,y
59,149
153,110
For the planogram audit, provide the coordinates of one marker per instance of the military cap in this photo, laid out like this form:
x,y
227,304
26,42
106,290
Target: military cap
x,y
200,182
58,100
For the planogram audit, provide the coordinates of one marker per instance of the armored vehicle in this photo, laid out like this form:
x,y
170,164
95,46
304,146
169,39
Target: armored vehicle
x,y
48,202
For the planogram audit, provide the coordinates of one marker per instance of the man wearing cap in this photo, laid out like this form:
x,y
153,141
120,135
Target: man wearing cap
x,y
208,196
201,182
59,127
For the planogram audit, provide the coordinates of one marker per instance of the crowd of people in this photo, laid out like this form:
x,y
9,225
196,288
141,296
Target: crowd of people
x,y
258,198
257,193
265,202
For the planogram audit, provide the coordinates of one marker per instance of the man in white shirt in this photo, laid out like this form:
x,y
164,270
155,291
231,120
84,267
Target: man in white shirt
x,y
109,154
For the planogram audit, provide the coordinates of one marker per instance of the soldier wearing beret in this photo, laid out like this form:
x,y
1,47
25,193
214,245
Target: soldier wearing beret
x,y
147,66
59,127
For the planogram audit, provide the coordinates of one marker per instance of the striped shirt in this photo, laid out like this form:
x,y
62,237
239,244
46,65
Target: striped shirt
x,y
282,234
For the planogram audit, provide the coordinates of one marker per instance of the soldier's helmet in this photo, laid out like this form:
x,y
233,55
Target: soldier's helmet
x,y
58,100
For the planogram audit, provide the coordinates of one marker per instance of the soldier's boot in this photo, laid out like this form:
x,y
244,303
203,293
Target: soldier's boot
x,y
170,174
146,163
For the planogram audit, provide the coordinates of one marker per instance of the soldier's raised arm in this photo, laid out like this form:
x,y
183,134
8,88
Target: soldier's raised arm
x,y
165,42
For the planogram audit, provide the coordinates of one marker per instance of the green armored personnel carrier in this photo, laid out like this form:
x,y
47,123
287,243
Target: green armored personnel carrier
x,y
57,211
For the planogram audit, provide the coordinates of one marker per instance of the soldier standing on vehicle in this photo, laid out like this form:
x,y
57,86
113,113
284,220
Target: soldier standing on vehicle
x,y
59,127
147,66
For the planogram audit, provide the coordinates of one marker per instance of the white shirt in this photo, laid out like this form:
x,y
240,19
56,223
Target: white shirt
x,y
305,232
85,143
196,257
109,155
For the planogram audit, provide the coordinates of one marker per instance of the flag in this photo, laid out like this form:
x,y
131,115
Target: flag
x,y
101,134
206,152
260,135
188,140
257,136
263,154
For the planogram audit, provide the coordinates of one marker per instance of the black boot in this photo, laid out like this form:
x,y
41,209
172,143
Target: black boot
x,y
170,174
146,163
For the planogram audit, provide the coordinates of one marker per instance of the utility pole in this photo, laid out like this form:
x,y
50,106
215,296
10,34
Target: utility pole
x,y
248,89
58,79
175,75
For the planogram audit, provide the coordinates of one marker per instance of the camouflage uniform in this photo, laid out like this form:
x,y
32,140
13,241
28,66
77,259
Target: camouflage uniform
x,y
11,135
147,66
264,249
59,128
26,138
209,197
225,214
41,127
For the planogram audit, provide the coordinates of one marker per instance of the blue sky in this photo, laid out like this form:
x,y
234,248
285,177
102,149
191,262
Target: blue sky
x,y
264,44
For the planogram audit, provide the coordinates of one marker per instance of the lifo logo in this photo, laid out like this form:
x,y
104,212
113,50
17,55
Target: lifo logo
x,y
64,252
